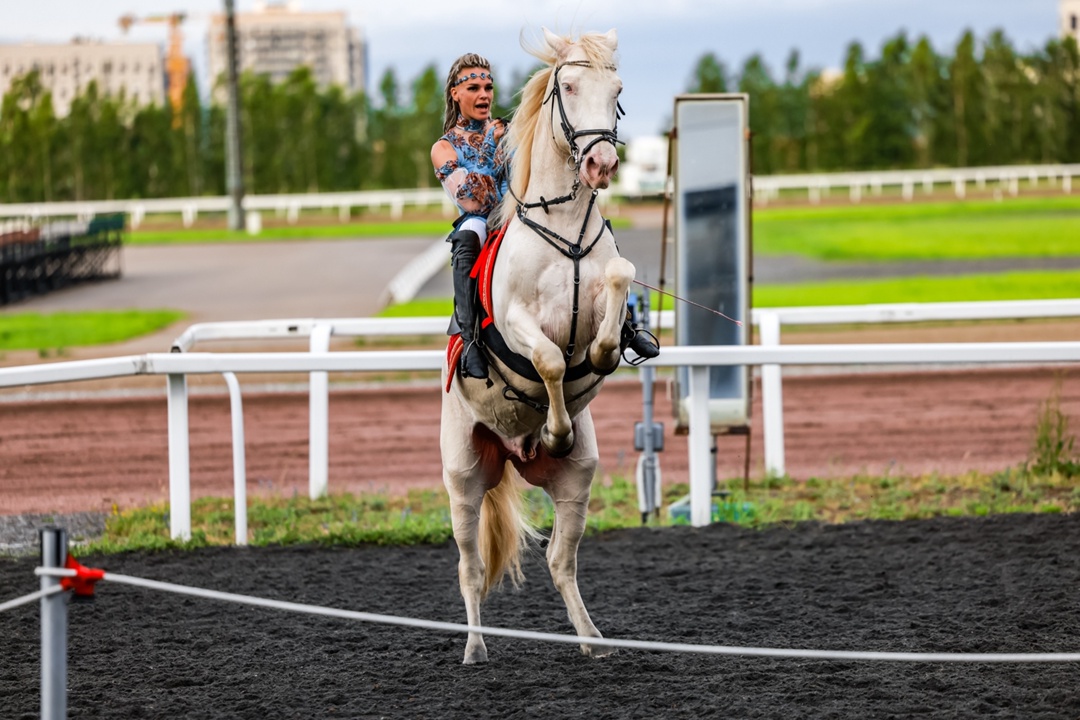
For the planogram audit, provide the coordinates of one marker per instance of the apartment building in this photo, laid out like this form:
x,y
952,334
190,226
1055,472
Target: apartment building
x,y
275,39
135,70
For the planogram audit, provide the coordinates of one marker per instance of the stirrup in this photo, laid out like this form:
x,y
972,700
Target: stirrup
x,y
642,342
473,364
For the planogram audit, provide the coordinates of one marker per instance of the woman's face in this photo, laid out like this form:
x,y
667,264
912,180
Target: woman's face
x,y
474,96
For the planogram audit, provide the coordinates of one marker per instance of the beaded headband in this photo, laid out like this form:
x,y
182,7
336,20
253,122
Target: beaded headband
x,y
474,76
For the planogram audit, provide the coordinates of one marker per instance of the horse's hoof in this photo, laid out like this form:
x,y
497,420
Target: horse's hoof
x,y
597,651
475,655
556,447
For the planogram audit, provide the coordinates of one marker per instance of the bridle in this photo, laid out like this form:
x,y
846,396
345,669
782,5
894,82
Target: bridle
x,y
571,135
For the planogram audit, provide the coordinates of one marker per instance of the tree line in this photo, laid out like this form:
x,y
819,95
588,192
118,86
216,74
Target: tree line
x,y
985,103
912,107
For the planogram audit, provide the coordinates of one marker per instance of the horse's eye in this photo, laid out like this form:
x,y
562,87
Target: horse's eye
x,y
567,87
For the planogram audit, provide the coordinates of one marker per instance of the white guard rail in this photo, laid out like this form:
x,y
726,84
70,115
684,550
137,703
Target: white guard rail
x,y
765,187
177,366
768,187
769,322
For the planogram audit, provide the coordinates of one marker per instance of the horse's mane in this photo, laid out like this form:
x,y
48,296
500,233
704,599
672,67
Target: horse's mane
x,y
518,141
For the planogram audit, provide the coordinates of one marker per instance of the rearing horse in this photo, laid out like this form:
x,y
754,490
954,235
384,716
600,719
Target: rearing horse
x,y
559,291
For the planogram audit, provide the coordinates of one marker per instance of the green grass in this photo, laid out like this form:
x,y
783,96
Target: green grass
x,y
369,230
36,331
1035,285
424,516
327,231
967,230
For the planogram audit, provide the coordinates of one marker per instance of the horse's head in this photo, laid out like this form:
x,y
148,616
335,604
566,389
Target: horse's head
x,y
585,91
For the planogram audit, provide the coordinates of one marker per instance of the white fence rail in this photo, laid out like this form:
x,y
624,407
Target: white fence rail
x,y
1007,178
769,321
766,187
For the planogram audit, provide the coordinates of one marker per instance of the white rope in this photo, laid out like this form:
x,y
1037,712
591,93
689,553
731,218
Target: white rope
x,y
32,597
577,639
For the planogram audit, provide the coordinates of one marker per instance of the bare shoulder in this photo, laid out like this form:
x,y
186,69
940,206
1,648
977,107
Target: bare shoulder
x,y
442,152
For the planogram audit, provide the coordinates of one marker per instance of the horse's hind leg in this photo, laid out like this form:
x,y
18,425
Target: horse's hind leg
x,y
568,481
604,351
465,476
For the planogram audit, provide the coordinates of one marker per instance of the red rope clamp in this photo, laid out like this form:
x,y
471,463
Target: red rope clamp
x,y
83,581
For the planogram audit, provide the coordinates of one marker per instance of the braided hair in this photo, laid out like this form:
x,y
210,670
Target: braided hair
x,y
467,60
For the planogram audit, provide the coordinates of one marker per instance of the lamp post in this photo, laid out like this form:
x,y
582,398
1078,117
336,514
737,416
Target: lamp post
x,y
234,167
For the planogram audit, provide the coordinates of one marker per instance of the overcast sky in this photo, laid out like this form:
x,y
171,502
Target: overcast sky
x,y
659,40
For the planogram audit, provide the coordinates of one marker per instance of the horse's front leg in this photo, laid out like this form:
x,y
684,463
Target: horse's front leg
x,y
568,482
604,351
557,435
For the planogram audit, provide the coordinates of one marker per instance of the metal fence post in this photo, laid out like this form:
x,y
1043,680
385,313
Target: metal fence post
x,y
701,475
179,460
53,542
772,401
239,459
319,418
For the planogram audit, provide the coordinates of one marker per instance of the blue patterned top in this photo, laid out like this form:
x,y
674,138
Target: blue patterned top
x,y
479,154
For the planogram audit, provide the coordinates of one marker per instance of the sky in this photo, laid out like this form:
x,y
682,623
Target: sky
x,y
660,41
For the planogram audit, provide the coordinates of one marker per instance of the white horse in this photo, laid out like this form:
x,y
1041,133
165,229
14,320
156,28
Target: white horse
x,y
559,293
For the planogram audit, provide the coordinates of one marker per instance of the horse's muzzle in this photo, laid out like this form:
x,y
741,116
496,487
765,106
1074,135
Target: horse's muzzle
x,y
599,168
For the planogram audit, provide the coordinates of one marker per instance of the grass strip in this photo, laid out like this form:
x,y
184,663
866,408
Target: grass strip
x,y
424,516
337,231
1033,285
961,230
37,331
352,231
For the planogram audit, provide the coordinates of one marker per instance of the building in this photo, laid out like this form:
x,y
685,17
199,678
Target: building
x,y
1070,18
276,39
645,171
134,70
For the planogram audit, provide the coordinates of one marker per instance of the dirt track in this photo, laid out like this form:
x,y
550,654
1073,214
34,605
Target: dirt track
x,y
1004,584
86,455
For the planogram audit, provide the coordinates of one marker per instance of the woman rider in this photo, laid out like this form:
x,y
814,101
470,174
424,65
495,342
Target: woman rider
x,y
473,170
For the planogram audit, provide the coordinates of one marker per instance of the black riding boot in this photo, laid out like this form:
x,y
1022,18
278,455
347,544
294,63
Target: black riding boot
x,y
638,340
464,249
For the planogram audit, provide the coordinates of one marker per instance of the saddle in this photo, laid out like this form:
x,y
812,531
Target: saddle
x,y
490,339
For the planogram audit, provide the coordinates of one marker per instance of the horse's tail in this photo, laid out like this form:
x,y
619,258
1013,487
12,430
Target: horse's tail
x,y
504,531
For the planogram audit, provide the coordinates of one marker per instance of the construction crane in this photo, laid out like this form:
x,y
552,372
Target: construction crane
x,y
177,66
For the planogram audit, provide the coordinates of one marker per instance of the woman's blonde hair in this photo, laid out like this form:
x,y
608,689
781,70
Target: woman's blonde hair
x,y
468,60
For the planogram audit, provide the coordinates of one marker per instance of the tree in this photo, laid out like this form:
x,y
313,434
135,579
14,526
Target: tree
x,y
425,125
928,93
889,108
967,95
709,76
756,81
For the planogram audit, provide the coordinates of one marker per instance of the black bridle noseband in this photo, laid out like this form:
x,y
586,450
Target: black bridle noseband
x,y
602,134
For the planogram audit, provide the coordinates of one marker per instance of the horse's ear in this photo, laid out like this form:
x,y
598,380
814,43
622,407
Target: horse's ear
x,y
556,43
611,39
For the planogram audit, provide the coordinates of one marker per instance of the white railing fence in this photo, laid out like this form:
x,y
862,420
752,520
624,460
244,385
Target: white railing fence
x,y
769,321
1006,179
766,188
